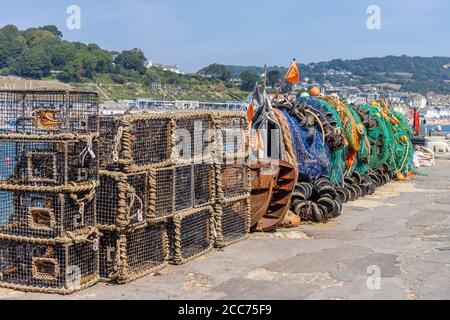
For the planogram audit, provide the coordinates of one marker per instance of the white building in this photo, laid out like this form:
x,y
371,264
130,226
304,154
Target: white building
x,y
414,100
418,101
175,68
156,86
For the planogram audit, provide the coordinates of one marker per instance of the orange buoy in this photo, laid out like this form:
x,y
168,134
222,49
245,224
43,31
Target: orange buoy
x,y
399,176
374,103
314,91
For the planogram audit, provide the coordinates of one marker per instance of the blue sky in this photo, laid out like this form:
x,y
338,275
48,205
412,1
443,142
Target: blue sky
x,y
195,33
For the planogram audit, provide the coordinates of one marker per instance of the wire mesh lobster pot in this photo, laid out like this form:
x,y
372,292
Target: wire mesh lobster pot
x,y
126,257
48,267
193,137
232,136
48,161
136,142
232,206
191,234
235,179
204,184
122,199
42,112
46,214
179,188
232,221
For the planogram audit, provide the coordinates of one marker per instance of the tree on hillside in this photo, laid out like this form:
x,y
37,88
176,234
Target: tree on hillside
x,y
62,54
53,29
31,63
249,79
273,78
3,49
12,43
38,37
73,70
132,59
103,58
216,70
152,75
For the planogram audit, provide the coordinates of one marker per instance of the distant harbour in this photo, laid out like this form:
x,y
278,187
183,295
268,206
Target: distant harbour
x,y
444,127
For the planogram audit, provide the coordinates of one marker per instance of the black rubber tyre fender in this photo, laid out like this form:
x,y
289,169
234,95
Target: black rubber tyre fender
x,y
358,191
318,216
352,194
338,210
327,203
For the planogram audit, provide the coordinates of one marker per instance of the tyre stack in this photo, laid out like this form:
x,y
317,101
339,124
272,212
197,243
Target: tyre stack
x,y
357,186
318,201
48,179
321,200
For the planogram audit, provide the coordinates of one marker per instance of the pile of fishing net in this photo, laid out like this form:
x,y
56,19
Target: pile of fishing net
x,y
423,157
343,152
398,145
319,145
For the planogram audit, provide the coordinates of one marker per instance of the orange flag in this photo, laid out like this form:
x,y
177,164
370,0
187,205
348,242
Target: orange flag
x,y
250,112
293,75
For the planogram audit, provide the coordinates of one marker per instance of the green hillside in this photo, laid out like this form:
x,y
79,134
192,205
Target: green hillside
x,y
42,54
419,74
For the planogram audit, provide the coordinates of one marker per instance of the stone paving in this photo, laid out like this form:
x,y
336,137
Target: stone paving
x,y
401,233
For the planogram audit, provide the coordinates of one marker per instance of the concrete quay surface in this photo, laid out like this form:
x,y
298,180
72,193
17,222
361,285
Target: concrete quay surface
x,y
394,244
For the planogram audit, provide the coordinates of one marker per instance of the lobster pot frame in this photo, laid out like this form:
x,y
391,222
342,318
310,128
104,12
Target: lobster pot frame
x,y
204,184
126,257
193,137
42,112
136,142
60,268
162,202
191,234
122,199
235,179
232,221
40,214
180,188
48,162
232,136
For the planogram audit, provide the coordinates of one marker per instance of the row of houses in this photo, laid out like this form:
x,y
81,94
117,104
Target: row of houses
x,y
112,107
367,93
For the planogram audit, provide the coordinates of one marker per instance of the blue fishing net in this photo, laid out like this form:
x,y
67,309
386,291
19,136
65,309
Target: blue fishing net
x,y
336,158
312,153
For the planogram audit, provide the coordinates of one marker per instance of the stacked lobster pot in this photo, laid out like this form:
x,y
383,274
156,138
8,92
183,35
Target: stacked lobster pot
x,y
232,167
48,176
192,226
134,241
155,193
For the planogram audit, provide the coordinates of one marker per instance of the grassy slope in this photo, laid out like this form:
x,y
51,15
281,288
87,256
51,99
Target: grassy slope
x,y
110,90
205,92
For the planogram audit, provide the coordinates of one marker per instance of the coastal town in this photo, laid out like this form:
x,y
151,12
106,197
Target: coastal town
x,y
433,107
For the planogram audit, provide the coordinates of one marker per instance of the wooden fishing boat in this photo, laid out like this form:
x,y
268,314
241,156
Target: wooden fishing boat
x,y
272,186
